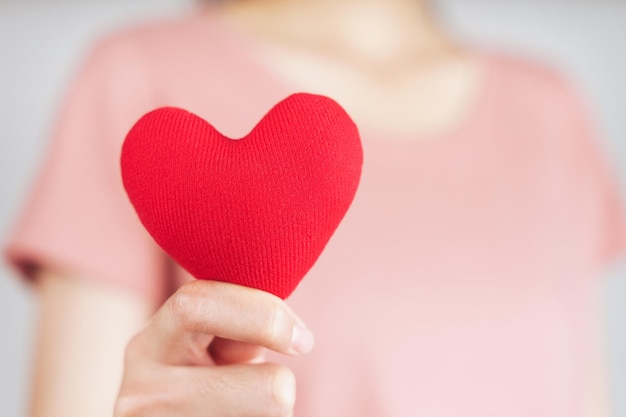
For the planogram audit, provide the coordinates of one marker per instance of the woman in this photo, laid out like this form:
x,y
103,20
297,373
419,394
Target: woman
x,y
460,283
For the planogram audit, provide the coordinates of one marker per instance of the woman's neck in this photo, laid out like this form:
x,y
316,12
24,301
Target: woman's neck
x,y
386,61
372,30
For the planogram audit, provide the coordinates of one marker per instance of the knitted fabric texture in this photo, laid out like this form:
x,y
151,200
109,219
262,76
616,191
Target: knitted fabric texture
x,y
255,211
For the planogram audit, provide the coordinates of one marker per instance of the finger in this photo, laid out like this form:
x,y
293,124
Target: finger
x,y
226,352
225,391
225,310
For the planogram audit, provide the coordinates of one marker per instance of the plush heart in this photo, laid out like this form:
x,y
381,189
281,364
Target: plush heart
x,y
255,211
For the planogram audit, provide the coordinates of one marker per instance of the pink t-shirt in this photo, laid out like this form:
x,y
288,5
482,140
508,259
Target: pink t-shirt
x,y
459,282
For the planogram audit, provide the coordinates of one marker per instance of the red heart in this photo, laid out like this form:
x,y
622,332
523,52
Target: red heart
x,y
257,211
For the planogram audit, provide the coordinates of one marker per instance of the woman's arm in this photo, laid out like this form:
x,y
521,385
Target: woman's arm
x,y
598,400
83,330
89,364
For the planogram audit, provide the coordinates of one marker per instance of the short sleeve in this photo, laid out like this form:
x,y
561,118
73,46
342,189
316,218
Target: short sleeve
x,y
78,216
599,198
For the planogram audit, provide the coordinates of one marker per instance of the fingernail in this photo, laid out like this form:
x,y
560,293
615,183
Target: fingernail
x,y
302,340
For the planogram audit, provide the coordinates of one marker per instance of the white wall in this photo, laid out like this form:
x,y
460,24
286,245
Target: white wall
x,y
41,42
40,45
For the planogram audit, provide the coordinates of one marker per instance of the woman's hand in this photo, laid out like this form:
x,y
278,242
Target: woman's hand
x,y
201,356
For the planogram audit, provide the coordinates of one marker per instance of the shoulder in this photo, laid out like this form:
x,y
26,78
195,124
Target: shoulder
x,y
145,61
527,69
542,109
539,101
142,41
158,45
536,85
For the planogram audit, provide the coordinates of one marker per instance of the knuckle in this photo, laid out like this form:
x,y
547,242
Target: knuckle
x,y
281,384
185,302
141,406
133,350
127,406
276,326
178,306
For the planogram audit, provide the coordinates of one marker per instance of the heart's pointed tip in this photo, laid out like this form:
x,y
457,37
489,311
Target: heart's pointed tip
x,y
278,288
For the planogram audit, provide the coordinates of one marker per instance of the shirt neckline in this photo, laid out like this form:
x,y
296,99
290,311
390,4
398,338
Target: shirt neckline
x,y
207,16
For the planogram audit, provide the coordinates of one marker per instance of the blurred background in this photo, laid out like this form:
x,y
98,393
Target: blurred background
x,y
42,42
